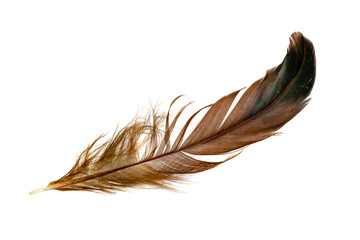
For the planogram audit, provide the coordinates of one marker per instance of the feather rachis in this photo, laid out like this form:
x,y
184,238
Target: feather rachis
x,y
264,107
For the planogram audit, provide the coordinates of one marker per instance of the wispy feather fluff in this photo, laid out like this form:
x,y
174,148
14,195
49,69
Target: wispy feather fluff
x,y
141,154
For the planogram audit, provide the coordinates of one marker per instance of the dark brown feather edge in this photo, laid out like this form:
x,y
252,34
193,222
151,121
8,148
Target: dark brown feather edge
x,y
116,164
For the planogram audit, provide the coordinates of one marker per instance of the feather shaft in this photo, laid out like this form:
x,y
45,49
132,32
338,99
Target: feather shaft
x,y
39,190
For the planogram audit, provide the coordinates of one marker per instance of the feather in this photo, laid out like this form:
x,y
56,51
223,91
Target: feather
x,y
142,155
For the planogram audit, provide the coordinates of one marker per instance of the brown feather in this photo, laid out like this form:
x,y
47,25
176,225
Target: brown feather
x,y
264,107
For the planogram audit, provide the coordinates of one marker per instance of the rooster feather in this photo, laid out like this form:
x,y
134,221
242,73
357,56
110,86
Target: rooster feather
x,y
141,154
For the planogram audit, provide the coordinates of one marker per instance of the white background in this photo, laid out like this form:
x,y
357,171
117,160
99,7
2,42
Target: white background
x,y
71,70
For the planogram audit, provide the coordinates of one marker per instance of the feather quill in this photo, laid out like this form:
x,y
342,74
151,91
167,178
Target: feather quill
x,y
141,154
